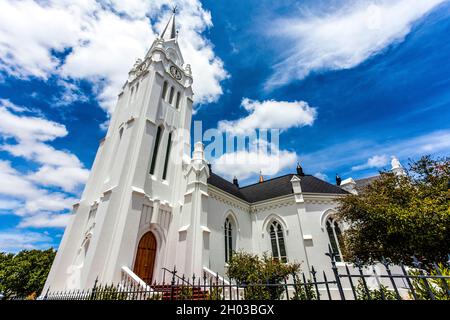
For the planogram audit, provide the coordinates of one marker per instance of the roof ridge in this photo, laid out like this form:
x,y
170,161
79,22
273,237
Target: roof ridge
x,y
258,183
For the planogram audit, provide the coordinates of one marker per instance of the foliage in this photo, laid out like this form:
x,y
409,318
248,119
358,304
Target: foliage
x,y
382,293
260,275
109,292
155,296
214,294
398,216
438,287
186,293
304,291
23,275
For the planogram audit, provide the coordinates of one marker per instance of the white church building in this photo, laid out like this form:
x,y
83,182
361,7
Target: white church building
x,y
149,204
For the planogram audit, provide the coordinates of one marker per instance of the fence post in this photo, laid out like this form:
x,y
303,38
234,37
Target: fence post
x,y
172,284
332,256
418,264
46,293
386,265
94,289
444,281
314,272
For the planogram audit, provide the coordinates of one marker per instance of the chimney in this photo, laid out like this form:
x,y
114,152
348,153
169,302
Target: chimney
x,y
338,180
236,182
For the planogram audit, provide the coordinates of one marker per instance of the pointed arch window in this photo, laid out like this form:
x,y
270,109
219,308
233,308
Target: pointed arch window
x,y
334,235
164,91
177,104
137,90
130,99
172,92
277,241
166,162
228,233
155,150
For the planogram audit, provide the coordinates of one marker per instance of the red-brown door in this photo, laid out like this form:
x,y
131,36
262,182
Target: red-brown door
x,y
145,257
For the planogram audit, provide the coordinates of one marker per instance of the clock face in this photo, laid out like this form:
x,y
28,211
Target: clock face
x,y
175,72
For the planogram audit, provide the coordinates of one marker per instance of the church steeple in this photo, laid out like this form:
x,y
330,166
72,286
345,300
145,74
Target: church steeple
x,y
261,177
170,31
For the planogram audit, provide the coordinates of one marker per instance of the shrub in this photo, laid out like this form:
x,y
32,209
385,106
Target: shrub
x,y
185,293
438,287
304,291
375,294
260,276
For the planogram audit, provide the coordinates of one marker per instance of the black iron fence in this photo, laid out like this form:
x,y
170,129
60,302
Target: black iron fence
x,y
384,281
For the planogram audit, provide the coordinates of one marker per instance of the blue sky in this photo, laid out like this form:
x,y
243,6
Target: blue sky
x,y
357,82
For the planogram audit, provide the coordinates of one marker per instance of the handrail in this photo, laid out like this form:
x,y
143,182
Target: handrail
x,y
228,290
129,276
213,274
174,274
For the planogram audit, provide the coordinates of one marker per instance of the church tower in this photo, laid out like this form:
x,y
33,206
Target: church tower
x,y
136,186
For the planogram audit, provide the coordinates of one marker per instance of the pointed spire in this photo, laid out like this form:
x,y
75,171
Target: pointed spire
x,y
300,170
338,180
261,177
170,31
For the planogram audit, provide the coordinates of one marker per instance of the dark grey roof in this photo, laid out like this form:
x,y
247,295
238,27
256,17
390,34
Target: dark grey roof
x,y
274,188
225,185
361,183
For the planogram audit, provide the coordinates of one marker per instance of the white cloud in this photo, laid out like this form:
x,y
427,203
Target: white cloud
x,y
103,38
9,204
25,193
45,220
17,186
14,241
270,114
321,176
245,163
27,128
68,178
373,162
59,168
343,38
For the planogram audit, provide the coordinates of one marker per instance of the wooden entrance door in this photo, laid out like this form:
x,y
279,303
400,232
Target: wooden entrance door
x,y
145,257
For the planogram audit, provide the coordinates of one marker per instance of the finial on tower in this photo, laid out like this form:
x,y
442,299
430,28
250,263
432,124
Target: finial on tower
x,y
261,177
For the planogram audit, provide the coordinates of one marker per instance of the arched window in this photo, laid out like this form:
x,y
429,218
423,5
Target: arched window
x,y
172,92
228,233
177,105
164,91
277,241
166,162
130,99
334,235
155,150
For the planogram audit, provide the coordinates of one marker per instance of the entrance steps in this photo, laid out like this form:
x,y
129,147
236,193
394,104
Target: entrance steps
x,y
180,292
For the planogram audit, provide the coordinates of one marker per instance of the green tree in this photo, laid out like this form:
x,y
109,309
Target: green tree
x,y
439,288
23,274
398,216
258,275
